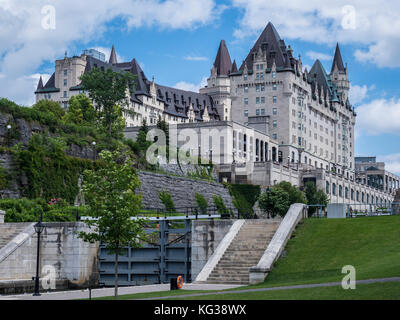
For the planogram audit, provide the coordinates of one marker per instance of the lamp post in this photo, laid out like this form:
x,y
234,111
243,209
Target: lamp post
x,y
39,228
268,212
288,161
8,134
94,150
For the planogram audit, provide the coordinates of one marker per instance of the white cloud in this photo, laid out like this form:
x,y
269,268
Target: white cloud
x,y
190,86
376,24
319,56
392,162
358,93
379,116
26,45
193,58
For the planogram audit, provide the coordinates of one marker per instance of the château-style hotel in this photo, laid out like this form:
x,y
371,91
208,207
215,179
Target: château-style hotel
x,y
302,120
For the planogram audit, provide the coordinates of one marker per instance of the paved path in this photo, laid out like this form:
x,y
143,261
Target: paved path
x,y
303,286
108,292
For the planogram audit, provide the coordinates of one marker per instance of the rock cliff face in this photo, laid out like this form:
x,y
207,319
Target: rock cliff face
x,y
182,189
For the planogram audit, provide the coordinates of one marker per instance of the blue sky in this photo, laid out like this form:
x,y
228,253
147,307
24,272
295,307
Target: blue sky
x,y
176,42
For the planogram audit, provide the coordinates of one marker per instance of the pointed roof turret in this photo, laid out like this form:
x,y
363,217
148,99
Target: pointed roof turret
x,y
337,60
223,62
234,67
113,56
40,84
273,47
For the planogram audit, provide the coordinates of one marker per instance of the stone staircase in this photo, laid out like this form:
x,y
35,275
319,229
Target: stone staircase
x,y
10,230
244,252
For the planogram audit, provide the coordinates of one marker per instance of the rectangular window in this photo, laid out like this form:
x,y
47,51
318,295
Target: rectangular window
x,y
275,136
262,112
274,99
65,72
274,87
258,76
262,99
65,94
261,75
261,66
246,101
257,112
257,100
275,124
274,75
274,111
257,88
246,89
246,113
65,82
245,77
262,87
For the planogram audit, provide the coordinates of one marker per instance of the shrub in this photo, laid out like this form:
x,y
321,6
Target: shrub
x,y
166,200
220,205
201,203
49,107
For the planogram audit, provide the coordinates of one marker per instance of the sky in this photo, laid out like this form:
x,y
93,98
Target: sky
x,y
176,41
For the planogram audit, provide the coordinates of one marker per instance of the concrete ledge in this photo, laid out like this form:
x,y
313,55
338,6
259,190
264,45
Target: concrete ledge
x,y
18,241
219,252
296,213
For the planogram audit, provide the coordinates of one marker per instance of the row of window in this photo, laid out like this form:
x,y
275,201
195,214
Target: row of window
x,y
261,112
357,196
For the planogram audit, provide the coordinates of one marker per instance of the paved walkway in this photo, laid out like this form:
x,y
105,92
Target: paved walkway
x,y
303,286
109,292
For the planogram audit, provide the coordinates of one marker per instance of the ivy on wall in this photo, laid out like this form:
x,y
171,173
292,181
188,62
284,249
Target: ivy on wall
x,y
49,172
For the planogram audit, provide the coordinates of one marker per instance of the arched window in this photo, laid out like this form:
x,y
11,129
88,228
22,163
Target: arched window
x,y
340,191
327,188
334,189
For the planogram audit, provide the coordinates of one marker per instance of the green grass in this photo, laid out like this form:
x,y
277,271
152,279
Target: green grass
x,y
317,253
375,291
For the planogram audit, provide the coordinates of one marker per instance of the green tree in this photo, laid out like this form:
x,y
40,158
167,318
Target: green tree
x,y
80,110
49,106
108,89
280,198
201,203
110,196
166,200
314,197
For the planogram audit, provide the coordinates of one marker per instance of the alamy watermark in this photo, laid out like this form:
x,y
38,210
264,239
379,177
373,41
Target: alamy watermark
x,y
49,17
349,280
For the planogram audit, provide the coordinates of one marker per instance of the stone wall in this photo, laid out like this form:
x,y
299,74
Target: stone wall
x,y
73,259
182,189
206,236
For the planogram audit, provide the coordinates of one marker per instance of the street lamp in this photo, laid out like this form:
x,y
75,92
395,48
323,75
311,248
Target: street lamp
x,y
94,150
288,161
8,134
39,228
268,212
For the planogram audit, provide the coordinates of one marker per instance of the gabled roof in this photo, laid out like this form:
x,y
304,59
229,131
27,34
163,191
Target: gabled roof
x,y
142,84
50,85
337,60
321,78
273,46
234,67
40,84
223,62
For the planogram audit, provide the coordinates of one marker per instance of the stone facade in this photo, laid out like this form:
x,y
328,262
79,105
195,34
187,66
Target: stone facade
x,y
72,259
182,189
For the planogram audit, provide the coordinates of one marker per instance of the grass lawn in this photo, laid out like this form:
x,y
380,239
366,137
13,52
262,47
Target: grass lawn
x,y
321,247
375,291
319,250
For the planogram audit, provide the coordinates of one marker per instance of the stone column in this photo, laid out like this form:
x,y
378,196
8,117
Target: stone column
x,y
2,215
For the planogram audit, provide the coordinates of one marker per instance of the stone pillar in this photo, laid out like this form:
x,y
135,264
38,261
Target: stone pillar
x,y
396,203
2,215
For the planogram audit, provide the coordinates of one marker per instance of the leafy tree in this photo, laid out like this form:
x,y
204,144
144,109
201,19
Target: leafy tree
x,y
166,200
280,198
314,197
201,203
108,89
110,196
80,110
220,205
162,125
49,106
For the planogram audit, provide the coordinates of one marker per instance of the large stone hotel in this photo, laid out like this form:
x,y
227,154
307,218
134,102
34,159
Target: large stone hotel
x,y
276,121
